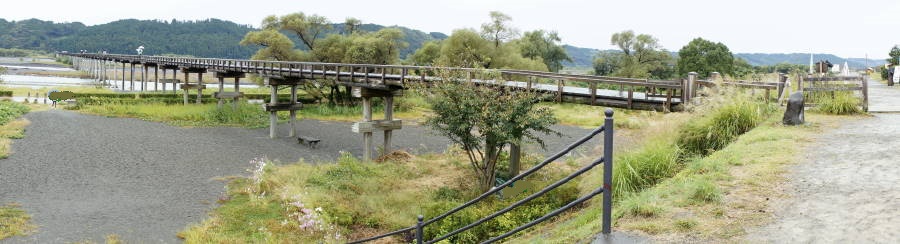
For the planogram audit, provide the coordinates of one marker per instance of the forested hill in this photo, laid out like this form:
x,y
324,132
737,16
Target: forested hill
x,y
215,38
205,38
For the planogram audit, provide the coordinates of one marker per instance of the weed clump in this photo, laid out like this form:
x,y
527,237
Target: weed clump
x,y
842,103
715,131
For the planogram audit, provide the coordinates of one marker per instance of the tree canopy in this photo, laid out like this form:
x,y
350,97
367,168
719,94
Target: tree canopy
x,y
544,45
640,57
704,57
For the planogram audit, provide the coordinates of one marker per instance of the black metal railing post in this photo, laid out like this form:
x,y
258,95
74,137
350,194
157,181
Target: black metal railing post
x,y
607,171
419,231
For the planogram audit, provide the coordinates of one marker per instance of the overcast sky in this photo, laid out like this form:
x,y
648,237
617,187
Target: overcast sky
x,y
845,28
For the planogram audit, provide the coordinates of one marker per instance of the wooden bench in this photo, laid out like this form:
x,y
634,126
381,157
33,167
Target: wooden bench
x,y
309,141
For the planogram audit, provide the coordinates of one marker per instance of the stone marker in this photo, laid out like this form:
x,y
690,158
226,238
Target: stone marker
x,y
793,115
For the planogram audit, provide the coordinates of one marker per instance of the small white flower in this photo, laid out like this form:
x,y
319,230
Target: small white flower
x,y
319,209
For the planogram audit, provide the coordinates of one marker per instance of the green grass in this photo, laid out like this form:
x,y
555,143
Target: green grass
x,y
247,115
10,126
14,221
735,181
350,199
842,103
587,116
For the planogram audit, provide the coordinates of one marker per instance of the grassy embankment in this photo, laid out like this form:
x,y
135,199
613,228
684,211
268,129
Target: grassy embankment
x,y
715,189
13,221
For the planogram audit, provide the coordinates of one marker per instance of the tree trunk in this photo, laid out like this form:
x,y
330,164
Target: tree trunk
x,y
515,156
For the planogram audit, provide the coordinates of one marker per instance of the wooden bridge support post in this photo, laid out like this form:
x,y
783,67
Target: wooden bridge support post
x,y
115,73
156,78
200,88
293,113
388,116
131,79
221,90
237,89
367,136
174,81
164,84
144,77
714,76
123,76
185,82
273,115
593,90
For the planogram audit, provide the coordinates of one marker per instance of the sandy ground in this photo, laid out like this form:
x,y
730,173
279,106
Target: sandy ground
x,y
848,188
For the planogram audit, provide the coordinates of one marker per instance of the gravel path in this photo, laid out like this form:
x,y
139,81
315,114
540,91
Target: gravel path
x,y
847,189
83,177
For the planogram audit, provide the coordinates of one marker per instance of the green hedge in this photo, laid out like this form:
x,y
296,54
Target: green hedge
x,y
6,93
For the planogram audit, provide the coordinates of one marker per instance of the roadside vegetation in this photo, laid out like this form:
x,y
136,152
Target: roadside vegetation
x,y
11,127
14,221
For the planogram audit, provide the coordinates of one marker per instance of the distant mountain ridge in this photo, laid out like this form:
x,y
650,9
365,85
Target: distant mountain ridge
x,y
214,38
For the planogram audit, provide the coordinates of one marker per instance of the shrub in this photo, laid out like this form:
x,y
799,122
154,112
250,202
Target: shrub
x,y
635,170
724,125
843,103
11,110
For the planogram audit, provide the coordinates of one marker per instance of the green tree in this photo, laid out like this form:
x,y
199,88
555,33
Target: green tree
x,y
427,54
308,28
275,46
351,25
742,68
498,30
543,45
484,119
642,56
605,63
465,48
894,56
704,57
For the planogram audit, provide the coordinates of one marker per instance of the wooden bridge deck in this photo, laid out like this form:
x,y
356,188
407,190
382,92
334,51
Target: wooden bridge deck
x,y
392,77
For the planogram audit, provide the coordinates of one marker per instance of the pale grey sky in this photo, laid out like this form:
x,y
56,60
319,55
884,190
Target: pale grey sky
x,y
845,28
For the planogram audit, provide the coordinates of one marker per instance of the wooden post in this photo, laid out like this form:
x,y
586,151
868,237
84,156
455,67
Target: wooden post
x,y
530,81
221,90
237,89
691,82
388,116
175,81
199,87
156,77
559,91
293,131
593,90
123,76
144,78
367,136
515,158
865,92
164,84
273,115
185,82
131,79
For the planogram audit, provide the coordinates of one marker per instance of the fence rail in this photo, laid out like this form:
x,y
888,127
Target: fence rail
x,y
605,189
813,85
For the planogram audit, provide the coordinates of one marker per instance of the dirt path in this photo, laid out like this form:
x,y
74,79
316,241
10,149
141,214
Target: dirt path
x,y
848,188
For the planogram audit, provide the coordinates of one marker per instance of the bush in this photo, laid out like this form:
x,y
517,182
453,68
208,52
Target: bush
x,y
843,103
10,111
715,131
6,93
499,225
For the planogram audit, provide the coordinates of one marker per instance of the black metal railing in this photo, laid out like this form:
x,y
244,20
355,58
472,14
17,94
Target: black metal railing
x,y
606,190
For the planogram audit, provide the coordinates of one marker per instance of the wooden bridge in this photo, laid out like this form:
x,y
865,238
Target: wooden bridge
x,y
368,81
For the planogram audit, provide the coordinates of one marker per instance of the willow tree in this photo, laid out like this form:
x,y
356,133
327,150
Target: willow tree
x,y
544,46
